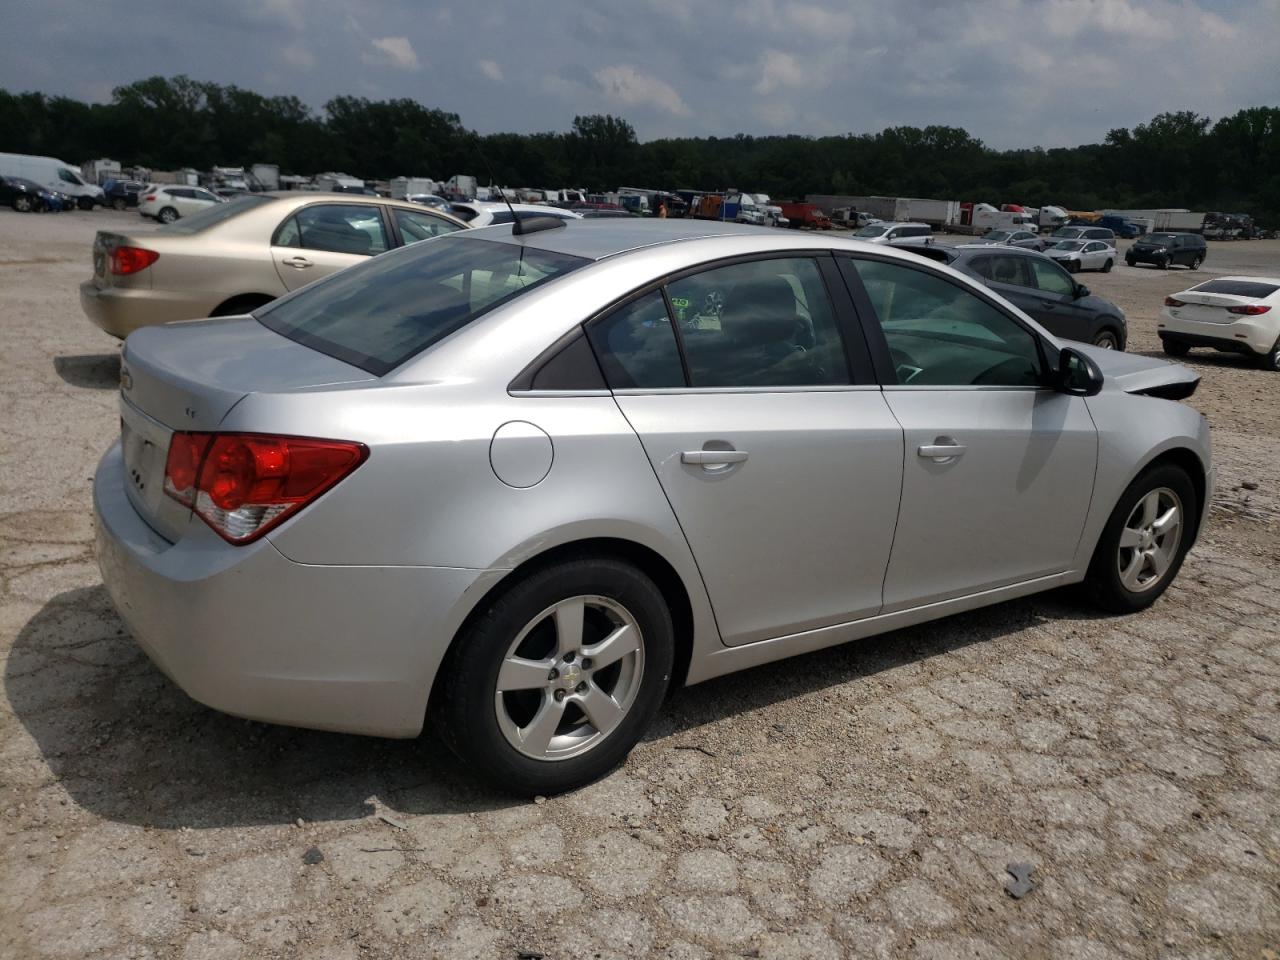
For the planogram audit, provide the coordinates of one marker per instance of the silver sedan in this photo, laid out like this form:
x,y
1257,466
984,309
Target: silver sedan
x,y
515,483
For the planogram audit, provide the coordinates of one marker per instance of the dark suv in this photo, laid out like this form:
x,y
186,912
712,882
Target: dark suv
x,y
122,194
1166,249
1038,287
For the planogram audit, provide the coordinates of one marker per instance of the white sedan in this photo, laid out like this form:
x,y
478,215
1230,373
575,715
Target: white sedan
x,y
169,203
1078,255
479,213
1229,314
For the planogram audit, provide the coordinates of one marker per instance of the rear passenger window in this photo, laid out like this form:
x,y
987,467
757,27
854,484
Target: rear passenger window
x,y
342,228
636,346
1011,270
766,323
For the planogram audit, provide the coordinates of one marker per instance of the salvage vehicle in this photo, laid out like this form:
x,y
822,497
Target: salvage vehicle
x,y
122,194
477,213
1077,255
170,202
1229,314
26,196
1167,249
52,174
233,257
797,214
495,485
1026,239
1039,287
894,233
1079,232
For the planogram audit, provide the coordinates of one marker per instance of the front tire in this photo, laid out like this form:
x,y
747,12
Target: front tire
x,y
167,215
1163,263
119,203
551,686
1107,340
22,203
1195,264
1144,542
85,203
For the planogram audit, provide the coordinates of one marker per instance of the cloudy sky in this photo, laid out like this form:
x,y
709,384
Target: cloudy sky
x,y
1012,72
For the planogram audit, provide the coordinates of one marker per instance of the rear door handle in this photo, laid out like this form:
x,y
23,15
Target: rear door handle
x,y
941,452
300,263
713,458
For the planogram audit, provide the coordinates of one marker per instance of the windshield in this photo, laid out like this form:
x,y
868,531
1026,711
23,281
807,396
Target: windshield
x,y
871,230
211,216
1068,245
1160,239
379,314
1068,232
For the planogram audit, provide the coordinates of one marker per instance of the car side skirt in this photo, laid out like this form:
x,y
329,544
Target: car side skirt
x,y
731,659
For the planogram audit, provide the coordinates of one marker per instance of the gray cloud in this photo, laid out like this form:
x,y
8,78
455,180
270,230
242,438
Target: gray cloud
x,y
1013,72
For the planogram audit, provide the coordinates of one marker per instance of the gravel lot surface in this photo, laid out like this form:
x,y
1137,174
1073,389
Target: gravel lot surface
x,y
863,801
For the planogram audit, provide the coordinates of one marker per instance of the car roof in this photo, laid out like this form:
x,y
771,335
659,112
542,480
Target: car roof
x,y
597,238
898,223
1274,280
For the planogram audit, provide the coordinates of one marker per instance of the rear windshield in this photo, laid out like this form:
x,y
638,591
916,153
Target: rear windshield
x,y
1238,288
379,314
211,216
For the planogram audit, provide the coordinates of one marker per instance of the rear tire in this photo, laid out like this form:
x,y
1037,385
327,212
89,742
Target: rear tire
x,y
167,215
1106,267
237,306
493,728
1195,264
22,203
1271,361
1163,263
1174,348
119,203
1144,542
1131,261
85,203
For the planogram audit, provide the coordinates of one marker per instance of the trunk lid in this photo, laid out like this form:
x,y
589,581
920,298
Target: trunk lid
x,y
188,376
103,244
1209,307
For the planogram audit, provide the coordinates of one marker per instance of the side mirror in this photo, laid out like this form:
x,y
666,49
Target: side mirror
x,y
1081,291
1078,375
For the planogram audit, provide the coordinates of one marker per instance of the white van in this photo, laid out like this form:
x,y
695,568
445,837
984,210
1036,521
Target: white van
x,y
52,173
894,234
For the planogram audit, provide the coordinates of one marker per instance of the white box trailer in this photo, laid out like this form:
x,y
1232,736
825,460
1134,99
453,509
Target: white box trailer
x,y
100,171
1178,219
936,213
402,187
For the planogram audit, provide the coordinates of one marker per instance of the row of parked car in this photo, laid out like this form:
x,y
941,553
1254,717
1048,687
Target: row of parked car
x,y
27,196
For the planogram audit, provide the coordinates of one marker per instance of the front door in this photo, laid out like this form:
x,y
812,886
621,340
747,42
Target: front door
x,y
998,469
782,471
326,237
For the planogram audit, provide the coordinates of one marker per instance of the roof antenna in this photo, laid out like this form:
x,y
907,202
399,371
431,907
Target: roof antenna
x,y
519,227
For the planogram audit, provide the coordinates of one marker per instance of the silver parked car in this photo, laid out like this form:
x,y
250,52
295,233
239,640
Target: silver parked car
x,y
515,483
1077,255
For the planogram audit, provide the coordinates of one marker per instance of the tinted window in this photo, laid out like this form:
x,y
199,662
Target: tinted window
x,y
940,334
1095,246
1238,288
68,176
211,216
916,232
379,314
1011,270
421,226
636,346
766,323
342,228
204,195
1051,278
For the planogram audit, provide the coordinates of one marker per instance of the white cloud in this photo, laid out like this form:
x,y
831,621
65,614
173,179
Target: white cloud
x,y
393,52
778,69
629,86
296,55
820,21
491,70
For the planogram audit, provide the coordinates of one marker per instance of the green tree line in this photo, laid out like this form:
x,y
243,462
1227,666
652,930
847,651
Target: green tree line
x,y
1176,159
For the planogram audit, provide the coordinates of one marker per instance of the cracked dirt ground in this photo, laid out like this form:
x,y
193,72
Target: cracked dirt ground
x,y
863,801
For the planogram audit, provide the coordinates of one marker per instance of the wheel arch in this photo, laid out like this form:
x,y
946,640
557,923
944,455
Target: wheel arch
x,y
644,558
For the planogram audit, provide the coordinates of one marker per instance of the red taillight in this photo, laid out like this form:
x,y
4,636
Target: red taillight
x,y
243,484
1173,302
1250,309
132,259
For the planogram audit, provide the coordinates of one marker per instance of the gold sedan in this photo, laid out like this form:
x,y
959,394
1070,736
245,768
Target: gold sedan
x,y
234,257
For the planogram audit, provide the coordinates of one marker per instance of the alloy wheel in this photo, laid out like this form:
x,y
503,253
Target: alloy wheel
x,y
1150,539
22,204
569,677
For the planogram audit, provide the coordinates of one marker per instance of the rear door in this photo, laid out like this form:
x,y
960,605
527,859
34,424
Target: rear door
x,y
323,238
999,470
774,446
1010,276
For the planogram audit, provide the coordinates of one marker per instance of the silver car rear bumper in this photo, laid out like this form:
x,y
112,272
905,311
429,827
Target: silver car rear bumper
x,y
249,632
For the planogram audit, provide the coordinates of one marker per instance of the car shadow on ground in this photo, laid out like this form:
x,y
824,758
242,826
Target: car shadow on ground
x,y
129,746
92,371
1207,358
